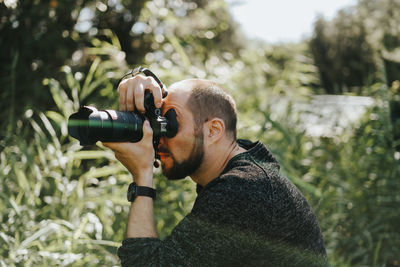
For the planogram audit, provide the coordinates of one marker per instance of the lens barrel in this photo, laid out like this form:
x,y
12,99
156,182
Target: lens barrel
x,y
90,125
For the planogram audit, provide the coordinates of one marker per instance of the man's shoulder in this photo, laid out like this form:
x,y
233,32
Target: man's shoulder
x,y
257,161
243,193
242,177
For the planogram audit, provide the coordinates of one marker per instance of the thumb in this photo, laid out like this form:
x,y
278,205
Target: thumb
x,y
112,145
147,130
106,144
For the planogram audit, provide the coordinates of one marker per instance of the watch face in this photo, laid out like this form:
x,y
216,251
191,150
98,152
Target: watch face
x,y
131,192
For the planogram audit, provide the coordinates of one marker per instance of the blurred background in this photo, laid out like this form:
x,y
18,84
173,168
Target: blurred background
x,y
324,98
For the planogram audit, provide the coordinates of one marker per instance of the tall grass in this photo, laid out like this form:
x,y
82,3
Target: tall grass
x,y
63,204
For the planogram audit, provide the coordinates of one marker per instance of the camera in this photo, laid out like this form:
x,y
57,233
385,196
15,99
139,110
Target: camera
x,y
90,125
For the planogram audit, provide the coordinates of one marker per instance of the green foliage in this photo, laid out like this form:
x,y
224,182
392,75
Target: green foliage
x,y
352,50
38,37
65,205
52,210
358,175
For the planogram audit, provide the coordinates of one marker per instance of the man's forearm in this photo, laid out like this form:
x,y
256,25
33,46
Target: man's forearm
x,y
141,218
141,214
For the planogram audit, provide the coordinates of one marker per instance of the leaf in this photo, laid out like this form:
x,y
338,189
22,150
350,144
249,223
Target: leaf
x,y
50,130
55,116
15,206
92,86
86,90
179,49
305,186
60,120
64,104
5,237
88,154
42,234
71,81
21,179
103,171
99,242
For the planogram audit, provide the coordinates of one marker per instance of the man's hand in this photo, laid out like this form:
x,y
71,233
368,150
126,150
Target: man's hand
x,y
137,157
131,93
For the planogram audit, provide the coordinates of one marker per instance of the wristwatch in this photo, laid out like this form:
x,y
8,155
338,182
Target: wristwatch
x,y
134,190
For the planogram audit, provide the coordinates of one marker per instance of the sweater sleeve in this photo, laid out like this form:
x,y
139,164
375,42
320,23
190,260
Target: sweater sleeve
x,y
204,237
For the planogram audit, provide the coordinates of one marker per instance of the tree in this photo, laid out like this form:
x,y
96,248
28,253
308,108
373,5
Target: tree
x,y
359,47
342,54
38,37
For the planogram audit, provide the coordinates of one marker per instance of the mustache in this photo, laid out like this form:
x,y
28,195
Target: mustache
x,y
162,150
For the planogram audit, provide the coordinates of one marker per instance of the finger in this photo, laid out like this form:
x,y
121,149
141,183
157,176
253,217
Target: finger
x,y
132,93
152,85
132,85
129,99
147,130
139,97
122,95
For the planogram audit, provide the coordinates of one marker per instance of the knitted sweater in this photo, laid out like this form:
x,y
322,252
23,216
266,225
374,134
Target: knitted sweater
x,y
250,215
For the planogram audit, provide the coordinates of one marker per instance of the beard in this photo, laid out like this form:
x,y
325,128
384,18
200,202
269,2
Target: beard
x,y
180,170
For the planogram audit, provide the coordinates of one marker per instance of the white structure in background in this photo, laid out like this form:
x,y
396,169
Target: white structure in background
x,y
330,115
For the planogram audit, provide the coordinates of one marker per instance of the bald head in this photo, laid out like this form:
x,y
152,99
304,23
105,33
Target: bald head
x,y
206,100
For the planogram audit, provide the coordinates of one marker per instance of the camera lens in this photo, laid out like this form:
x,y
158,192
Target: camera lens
x,y
89,125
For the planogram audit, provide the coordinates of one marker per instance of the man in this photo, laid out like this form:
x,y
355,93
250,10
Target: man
x,y
246,213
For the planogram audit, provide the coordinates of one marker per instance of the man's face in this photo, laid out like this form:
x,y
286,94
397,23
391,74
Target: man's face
x,y
183,154
180,168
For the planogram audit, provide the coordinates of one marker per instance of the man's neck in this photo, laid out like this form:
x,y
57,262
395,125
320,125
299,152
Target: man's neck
x,y
214,162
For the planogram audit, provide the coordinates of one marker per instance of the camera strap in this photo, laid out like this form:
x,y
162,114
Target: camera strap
x,y
146,72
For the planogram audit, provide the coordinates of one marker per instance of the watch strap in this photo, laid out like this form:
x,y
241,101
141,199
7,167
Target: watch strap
x,y
134,190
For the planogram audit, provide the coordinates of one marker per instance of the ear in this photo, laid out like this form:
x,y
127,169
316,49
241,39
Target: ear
x,y
214,130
